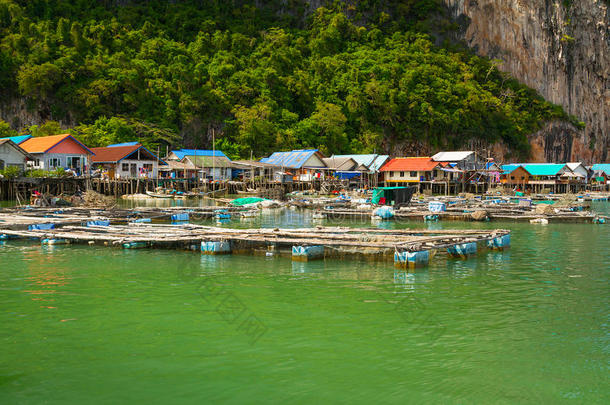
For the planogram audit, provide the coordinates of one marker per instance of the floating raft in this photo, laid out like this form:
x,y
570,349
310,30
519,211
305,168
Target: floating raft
x,y
408,248
16,218
494,214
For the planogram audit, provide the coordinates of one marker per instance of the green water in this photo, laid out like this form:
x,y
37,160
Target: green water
x,y
99,325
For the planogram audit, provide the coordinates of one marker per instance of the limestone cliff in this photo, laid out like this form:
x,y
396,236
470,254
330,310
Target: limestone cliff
x,y
560,48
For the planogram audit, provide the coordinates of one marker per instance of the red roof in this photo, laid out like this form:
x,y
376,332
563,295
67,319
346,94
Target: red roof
x,y
423,164
115,154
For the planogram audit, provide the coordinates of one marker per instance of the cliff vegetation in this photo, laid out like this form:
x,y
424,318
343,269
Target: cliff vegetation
x,y
347,77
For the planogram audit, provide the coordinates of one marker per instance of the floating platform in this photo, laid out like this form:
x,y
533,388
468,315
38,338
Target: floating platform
x,y
492,214
408,248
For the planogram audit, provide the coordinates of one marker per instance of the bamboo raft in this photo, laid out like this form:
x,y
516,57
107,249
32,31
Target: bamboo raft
x,y
408,247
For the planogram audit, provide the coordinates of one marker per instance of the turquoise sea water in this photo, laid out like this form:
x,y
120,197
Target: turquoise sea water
x,y
87,324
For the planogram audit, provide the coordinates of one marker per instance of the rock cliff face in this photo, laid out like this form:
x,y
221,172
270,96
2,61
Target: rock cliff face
x,y
560,48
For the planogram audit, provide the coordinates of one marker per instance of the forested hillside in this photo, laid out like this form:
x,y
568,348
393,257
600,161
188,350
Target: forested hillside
x,y
349,77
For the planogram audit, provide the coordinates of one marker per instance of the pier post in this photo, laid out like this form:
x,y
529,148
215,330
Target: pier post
x,y
307,253
411,260
215,247
499,243
463,250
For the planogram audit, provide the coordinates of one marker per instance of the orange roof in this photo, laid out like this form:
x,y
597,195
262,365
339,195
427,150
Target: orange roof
x,y
43,143
424,164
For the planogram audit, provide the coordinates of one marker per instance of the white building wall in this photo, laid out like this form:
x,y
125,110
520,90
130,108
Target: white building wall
x,y
123,169
402,176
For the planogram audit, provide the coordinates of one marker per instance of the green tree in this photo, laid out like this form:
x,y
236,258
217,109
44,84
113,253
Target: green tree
x,y
6,130
48,128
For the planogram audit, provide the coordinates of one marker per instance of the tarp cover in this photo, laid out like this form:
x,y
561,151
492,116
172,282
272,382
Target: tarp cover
x,y
247,200
346,175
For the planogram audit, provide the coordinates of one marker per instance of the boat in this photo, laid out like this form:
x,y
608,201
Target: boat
x,y
249,214
249,192
159,195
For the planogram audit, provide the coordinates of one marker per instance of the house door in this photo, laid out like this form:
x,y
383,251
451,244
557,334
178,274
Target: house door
x,y
133,170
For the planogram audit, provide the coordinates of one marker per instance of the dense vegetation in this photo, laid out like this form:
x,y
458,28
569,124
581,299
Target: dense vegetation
x,y
350,77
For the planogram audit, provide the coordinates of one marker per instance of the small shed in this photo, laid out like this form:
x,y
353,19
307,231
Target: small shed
x,y
12,155
307,163
211,167
515,176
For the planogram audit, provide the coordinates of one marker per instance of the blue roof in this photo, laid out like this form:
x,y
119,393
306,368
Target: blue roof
x,y
294,159
605,167
372,160
536,169
180,154
508,168
123,144
18,139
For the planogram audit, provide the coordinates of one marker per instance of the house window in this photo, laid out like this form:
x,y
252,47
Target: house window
x,y
125,167
1,164
74,162
413,174
148,167
54,163
402,174
512,177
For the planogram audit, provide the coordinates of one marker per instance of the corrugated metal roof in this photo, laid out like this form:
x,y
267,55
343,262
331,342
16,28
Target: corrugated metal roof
x,y
340,163
605,167
176,165
123,144
453,156
378,162
366,159
254,163
543,169
294,159
18,139
372,161
406,164
508,168
536,169
208,161
180,154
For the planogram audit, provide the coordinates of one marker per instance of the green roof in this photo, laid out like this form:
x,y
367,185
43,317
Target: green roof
x,y
209,161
